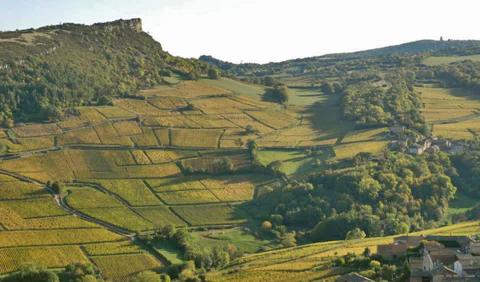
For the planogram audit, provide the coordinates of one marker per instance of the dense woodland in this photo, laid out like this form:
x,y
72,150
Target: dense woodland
x,y
397,194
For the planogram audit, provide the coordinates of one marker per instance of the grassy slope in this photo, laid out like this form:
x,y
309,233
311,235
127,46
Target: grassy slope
x,y
451,110
435,61
293,161
252,90
295,263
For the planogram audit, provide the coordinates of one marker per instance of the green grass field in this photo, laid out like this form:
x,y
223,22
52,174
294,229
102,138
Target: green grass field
x,y
309,96
435,61
238,87
293,161
462,203
349,151
365,135
219,214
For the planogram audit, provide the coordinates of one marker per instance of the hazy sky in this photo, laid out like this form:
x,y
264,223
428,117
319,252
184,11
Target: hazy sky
x,y
262,30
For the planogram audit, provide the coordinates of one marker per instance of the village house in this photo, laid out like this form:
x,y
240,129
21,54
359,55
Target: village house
x,y
446,259
475,248
415,149
467,265
462,242
430,271
442,143
397,129
410,241
443,256
433,149
391,251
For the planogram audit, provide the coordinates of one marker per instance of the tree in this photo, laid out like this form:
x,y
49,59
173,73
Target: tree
x,y
213,73
267,226
232,251
250,130
32,272
388,272
193,75
376,265
275,165
277,219
356,233
223,165
220,257
289,240
105,100
269,81
146,276
280,93
362,158
327,87
57,187
252,145
190,107
82,272
87,278
168,231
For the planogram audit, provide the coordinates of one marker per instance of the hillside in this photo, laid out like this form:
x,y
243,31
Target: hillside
x,y
126,159
318,261
47,71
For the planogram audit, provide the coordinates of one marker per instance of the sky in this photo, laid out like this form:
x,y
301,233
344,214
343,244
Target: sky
x,y
262,31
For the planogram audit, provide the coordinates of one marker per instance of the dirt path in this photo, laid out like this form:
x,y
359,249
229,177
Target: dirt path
x,y
66,208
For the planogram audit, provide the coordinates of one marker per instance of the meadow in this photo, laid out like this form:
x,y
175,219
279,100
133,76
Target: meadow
x,y
435,61
348,151
201,215
293,161
256,91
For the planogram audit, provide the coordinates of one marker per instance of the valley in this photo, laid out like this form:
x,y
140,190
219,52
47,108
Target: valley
x,y
122,158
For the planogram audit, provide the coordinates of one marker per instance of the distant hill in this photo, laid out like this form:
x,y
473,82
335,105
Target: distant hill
x,y
47,70
420,46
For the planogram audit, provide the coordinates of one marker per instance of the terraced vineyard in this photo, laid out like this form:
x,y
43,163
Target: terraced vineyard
x,y
452,112
128,168
313,261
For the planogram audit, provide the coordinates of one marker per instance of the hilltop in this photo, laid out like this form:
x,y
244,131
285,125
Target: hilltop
x,y
49,70
419,46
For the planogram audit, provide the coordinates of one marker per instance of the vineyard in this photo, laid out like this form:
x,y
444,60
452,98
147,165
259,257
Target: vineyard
x,y
142,164
313,261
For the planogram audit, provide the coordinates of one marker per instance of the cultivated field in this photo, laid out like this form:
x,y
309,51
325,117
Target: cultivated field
x,y
435,61
145,163
208,214
196,138
190,89
120,267
312,261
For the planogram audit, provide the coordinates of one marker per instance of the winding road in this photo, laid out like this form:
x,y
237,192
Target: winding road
x,y
59,201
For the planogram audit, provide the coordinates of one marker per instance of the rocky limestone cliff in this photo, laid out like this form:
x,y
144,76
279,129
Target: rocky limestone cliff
x,y
132,24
